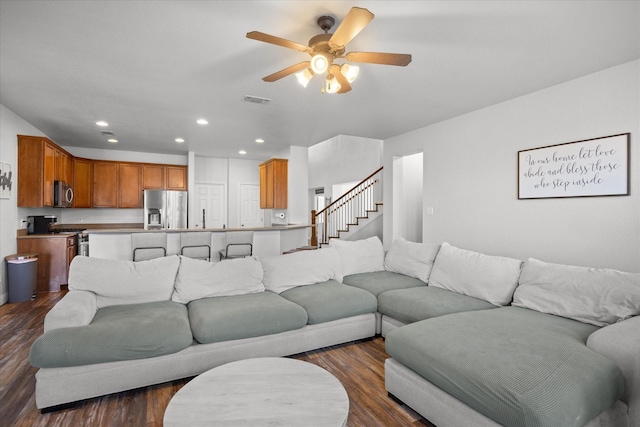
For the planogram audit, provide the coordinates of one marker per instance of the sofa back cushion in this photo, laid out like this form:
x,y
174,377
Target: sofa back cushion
x,y
490,278
360,256
118,282
282,272
198,279
411,259
596,296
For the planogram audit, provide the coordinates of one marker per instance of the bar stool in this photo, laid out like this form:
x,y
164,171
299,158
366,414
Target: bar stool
x,y
148,245
239,245
196,244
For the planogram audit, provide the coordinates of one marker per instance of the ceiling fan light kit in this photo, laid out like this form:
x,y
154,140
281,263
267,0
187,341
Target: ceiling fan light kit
x,y
326,48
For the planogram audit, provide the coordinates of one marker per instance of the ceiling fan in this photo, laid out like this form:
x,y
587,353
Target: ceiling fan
x,y
326,48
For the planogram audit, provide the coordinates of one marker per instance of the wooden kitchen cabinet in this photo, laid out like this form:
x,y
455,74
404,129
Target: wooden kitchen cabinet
x,y
129,185
36,171
274,184
153,177
164,177
176,178
82,183
55,253
105,184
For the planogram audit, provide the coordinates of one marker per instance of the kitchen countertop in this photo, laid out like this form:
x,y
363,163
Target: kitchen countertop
x,y
183,230
46,236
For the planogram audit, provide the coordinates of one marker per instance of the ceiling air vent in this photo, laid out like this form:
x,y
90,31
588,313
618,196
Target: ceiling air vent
x,y
107,133
256,100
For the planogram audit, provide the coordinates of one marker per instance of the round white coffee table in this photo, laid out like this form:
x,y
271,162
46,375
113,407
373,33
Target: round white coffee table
x,y
267,391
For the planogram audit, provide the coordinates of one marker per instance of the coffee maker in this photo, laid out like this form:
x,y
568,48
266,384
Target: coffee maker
x,y
39,224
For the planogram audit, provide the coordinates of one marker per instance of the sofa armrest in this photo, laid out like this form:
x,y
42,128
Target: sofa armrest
x,y
76,308
620,342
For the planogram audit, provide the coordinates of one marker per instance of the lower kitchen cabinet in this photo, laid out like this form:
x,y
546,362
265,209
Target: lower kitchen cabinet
x,y
55,253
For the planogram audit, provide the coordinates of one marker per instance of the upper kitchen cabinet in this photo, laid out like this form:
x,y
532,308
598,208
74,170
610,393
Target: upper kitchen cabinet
x,y
129,185
164,177
82,183
177,178
153,177
105,184
117,184
273,184
40,163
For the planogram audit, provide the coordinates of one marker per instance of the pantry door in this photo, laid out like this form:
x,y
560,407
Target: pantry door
x,y
210,205
250,213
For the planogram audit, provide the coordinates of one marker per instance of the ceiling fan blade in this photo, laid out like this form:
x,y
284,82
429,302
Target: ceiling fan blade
x,y
353,23
267,38
401,59
287,71
345,86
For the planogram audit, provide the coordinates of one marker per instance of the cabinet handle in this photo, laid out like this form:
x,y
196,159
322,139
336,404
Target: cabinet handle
x,y
69,195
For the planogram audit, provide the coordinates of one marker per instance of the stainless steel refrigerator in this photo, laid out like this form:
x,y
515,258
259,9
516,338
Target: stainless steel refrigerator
x,y
165,209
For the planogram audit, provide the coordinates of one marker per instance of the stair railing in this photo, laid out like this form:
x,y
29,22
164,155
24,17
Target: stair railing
x,y
346,210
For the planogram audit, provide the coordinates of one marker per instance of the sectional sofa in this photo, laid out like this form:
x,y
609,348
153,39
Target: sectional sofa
x,y
473,339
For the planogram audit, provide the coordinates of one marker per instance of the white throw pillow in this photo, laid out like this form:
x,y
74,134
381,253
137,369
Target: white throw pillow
x,y
360,256
282,272
489,278
201,279
591,295
411,259
118,282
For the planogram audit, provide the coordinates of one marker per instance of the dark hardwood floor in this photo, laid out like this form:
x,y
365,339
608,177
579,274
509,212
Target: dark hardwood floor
x,y
358,366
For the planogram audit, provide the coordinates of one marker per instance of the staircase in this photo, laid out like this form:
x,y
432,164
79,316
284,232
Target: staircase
x,y
347,214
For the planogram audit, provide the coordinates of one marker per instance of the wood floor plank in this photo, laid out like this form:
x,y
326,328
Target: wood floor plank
x,y
358,366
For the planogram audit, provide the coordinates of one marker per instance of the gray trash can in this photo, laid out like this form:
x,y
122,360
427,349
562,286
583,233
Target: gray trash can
x,y
22,274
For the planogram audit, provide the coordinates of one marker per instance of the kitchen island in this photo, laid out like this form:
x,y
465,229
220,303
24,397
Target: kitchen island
x,y
267,241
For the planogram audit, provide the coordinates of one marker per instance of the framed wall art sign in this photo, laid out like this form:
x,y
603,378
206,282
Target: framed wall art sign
x,y
6,180
589,168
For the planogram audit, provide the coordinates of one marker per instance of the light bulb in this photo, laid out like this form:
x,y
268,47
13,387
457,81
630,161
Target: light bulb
x,y
350,72
319,64
304,77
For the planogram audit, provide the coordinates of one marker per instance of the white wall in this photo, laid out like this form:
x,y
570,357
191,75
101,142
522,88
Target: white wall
x,y
11,125
470,167
343,159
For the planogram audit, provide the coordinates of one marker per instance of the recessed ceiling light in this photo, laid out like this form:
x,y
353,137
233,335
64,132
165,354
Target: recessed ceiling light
x,y
102,123
242,152
179,140
202,122
112,140
260,140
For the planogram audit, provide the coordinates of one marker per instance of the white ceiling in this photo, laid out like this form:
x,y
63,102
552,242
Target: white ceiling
x,y
151,68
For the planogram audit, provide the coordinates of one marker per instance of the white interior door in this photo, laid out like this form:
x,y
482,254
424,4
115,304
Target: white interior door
x,y
210,204
250,213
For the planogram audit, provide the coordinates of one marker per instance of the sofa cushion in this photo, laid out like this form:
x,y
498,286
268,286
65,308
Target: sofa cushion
x,y
597,296
490,278
243,316
415,304
118,332
411,259
360,256
282,272
124,282
518,367
380,281
198,279
331,300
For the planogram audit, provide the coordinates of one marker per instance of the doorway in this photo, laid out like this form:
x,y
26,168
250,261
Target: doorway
x,y
407,197
210,205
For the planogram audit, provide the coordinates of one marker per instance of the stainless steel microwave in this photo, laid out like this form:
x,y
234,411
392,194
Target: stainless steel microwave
x,y
62,194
